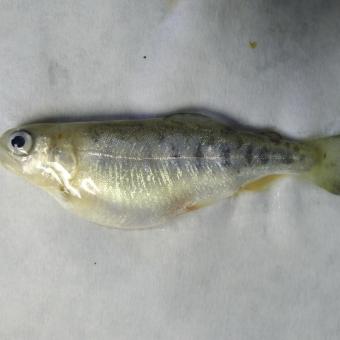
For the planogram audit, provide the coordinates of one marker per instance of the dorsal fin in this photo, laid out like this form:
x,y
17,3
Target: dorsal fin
x,y
189,116
194,119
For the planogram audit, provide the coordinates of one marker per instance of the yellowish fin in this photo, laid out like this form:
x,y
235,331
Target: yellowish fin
x,y
326,172
260,184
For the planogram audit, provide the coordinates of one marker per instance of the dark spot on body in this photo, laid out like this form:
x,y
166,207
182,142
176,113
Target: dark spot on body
x,y
287,157
199,156
324,155
296,148
174,151
225,155
264,155
238,142
96,136
249,154
161,136
144,57
302,157
199,153
211,140
95,263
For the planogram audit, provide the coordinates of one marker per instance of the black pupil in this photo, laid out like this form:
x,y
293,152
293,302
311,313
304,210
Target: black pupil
x,y
18,141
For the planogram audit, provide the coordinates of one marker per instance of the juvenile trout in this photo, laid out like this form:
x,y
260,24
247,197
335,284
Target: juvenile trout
x,y
139,173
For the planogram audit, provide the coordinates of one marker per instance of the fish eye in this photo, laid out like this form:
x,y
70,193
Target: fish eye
x,y
20,143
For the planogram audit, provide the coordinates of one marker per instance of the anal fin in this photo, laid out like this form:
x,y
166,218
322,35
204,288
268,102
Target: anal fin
x,y
260,184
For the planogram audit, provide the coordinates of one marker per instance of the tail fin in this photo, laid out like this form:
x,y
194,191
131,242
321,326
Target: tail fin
x,y
326,172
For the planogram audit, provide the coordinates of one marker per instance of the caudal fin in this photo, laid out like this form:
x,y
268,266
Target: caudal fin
x,y
326,172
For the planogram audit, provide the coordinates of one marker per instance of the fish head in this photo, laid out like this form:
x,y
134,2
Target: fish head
x,y
38,152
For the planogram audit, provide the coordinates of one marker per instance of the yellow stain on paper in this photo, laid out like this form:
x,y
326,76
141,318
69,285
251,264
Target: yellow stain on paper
x,y
252,44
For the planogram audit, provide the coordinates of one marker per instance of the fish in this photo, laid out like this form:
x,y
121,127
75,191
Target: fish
x,y
140,173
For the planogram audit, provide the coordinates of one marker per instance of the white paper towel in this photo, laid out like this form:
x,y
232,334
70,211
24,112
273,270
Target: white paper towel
x,y
258,266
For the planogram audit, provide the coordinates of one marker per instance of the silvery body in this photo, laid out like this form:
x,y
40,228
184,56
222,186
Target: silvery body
x,y
139,173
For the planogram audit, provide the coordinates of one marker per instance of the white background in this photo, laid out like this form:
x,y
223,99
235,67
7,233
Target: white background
x,y
258,266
